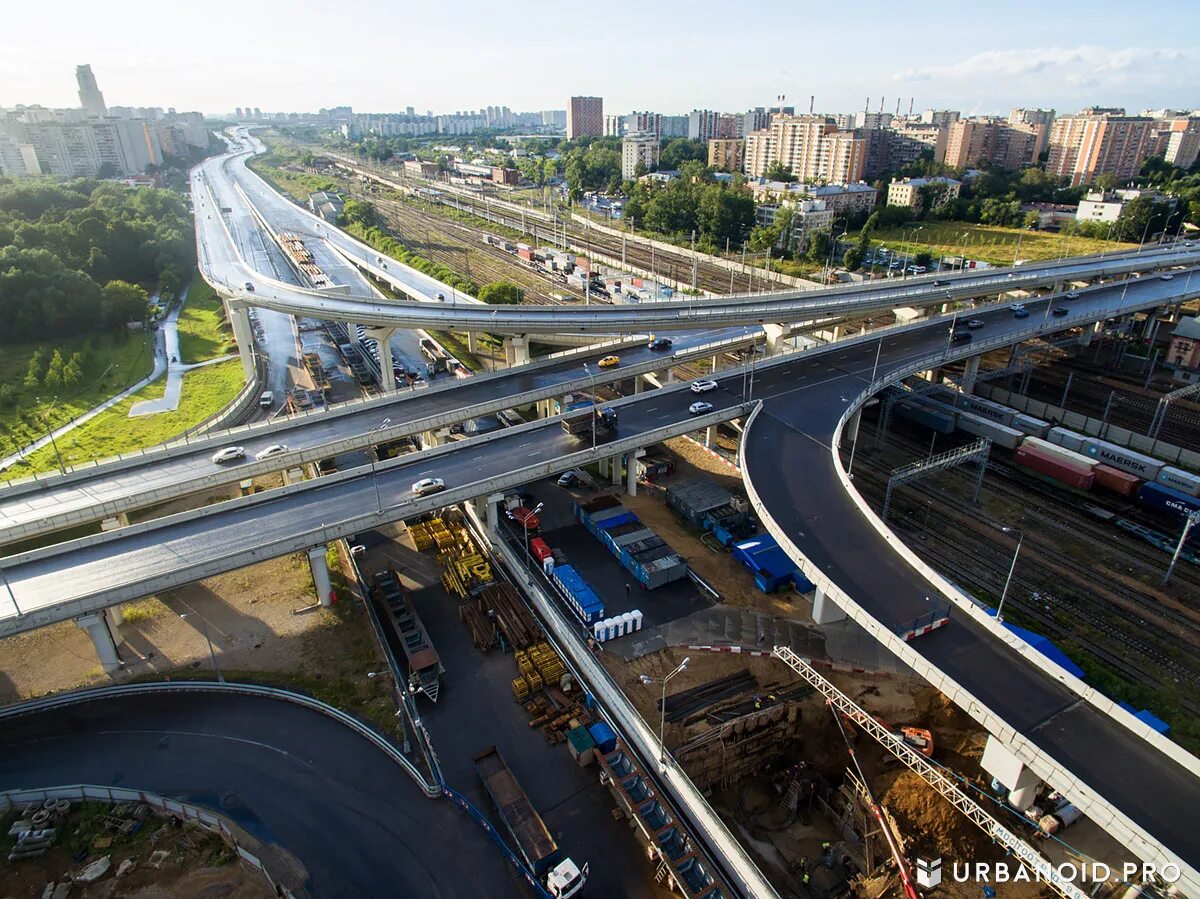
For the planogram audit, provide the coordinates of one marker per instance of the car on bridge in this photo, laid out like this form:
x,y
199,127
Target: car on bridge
x,y
976,323
275,449
1072,294
249,287
703,386
229,454
1167,276
700,408
426,486
958,335
609,362
1019,310
659,343
1059,310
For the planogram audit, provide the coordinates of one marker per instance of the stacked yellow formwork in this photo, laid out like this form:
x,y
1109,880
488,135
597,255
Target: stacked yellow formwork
x,y
432,534
547,663
463,574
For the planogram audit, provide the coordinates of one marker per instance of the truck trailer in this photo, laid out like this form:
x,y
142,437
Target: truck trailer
x,y
559,874
582,422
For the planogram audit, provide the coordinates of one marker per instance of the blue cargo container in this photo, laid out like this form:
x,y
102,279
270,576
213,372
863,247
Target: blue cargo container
x,y
616,521
1156,497
605,737
575,591
770,565
642,553
938,422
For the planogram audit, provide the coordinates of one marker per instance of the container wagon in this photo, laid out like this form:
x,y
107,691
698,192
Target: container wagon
x,y
1178,479
1027,424
1061,452
1159,498
1119,482
1123,458
1054,467
559,874
1000,435
977,406
936,421
1067,438
424,665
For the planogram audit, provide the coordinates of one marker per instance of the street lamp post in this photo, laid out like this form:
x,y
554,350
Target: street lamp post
x,y
1011,569
592,377
211,653
854,445
662,721
49,433
525,527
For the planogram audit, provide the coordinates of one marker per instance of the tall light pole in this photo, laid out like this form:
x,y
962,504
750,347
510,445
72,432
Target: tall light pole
x,y
592,377
525,526
1011,569
662,720
854,445
211,654
1193,519
49,433
374,457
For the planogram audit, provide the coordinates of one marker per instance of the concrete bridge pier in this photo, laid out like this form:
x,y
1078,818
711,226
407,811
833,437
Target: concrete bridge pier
x,y
97,626
383,337
970,373
320,573
850,432
631,471
243,334
120,520
430,439
516,350
493,512
710,436
614,470
824,610
774,334
1089,332
470,341
999,761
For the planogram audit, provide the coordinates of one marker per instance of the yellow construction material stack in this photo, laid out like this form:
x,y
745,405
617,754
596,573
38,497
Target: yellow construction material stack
x,y
534,680
465,570
433,533
520,689
547,662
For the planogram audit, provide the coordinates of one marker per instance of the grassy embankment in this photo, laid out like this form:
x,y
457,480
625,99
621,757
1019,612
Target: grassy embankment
x,y
204,332
998,246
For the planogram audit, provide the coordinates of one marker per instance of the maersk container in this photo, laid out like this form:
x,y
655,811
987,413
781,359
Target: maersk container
x,y
1054,467
1123,458
1027,424
1078,460
928,418
1160,498
1178,479
1119,482
1066,438
1000,435
977,406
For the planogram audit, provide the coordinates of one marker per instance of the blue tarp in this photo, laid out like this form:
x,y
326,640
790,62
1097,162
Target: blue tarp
x,y
1045,646
1147,717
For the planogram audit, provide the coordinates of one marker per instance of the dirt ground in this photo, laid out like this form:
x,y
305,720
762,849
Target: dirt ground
x,y
198,864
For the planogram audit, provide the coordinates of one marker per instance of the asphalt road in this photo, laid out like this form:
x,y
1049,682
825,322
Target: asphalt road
x,y
289,775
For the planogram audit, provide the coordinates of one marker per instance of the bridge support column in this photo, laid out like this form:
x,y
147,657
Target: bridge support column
x,y
493,512
383,338
1151,324
710,435
999,761
239,317
320,573
639,384
614,470
470,341
970,373
774,338
825,611
116,617
516,350
850,432
631,471
602,468
1085,339
545,408
96,624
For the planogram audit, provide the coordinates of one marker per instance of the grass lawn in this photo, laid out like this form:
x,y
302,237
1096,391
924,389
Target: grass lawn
x,y
297,185
989,243
111,362
205,391
204,332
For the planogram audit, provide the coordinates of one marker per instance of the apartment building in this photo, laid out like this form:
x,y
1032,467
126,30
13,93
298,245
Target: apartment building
x,y
940,118
706,125
911,192
810,146
1098,141
727,154
840,199
643,123
971,142
585,117
638,149
614,125
808,217
90,98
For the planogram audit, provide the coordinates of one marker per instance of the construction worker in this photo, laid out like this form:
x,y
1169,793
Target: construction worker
x,y
757,702
771,697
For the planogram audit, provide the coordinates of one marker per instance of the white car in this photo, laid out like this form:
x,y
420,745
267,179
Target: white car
x,y
229,454
700,408
703,386
425,486
1167,277
275,449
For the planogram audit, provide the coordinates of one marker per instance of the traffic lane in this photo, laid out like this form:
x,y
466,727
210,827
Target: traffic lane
x,y
126,558
308,432
290,775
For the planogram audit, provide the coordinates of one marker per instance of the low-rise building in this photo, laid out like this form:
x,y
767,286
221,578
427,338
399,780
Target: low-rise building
x,y
421,168
1051,215
1106,206
1184,353
913,192
808,217
638,150
326,204
842,199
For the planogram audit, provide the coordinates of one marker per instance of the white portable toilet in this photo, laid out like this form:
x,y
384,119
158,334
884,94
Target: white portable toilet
x,y
637,619
548,566
626,623
598,631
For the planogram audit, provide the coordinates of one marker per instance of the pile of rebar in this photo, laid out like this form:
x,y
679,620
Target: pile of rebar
x,y
689,703
512,616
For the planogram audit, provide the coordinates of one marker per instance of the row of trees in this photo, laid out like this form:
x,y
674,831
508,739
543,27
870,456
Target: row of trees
x,y
717,212
73,254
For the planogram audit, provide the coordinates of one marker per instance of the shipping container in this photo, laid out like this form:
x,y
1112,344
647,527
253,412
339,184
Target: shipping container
x,y
976,405
1000,435
539,549
1078,460
1067,438
640,551
1053,467
1160,498
1123,458
694,499
1178,479
927,418
1119,482
1027,424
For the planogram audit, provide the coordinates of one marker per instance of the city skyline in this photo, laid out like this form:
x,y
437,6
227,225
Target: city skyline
x,y
990,69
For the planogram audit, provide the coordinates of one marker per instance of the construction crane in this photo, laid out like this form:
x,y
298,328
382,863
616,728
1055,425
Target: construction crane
x,y
910,891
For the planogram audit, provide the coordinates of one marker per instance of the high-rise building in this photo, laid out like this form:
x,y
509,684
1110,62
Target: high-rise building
x,y
90,97
970,142
873,120
638,149
1183,147
1096,142
940,118
642,123
673,126
614,125
726,154
706,125
810,146
585,117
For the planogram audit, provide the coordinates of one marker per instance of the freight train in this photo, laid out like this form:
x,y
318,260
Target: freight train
x,y
1059,454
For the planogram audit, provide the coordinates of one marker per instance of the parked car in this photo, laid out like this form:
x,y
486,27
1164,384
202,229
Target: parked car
x,y
425,486
610,362
975,324
229,454
700,408
703,386
1072,294
568,478
275,449
1059,310
659,343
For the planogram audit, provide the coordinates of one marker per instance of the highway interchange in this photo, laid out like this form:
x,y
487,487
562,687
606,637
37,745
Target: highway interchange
x,y
788,447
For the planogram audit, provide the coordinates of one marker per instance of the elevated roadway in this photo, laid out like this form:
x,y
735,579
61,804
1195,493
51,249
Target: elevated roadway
x,y
1122,777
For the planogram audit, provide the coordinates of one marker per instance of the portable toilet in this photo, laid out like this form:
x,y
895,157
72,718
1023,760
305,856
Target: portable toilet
x,y
637,619
626,626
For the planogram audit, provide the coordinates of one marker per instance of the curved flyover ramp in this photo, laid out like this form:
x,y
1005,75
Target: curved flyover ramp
x,y
352,819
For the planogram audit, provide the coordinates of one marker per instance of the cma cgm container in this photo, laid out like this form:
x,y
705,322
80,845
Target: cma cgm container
x,y
1162,499
1074,458
1123,458
1001,435
1178,479
1054,467
1119,482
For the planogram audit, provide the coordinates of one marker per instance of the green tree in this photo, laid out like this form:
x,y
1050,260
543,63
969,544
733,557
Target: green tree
x,y
501,293
679,150
852,259
777,171
923,258
72,373
121,302
360,212
54,374
819,246
35,370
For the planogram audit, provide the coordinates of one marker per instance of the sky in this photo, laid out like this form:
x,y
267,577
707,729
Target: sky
x,y
669,56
